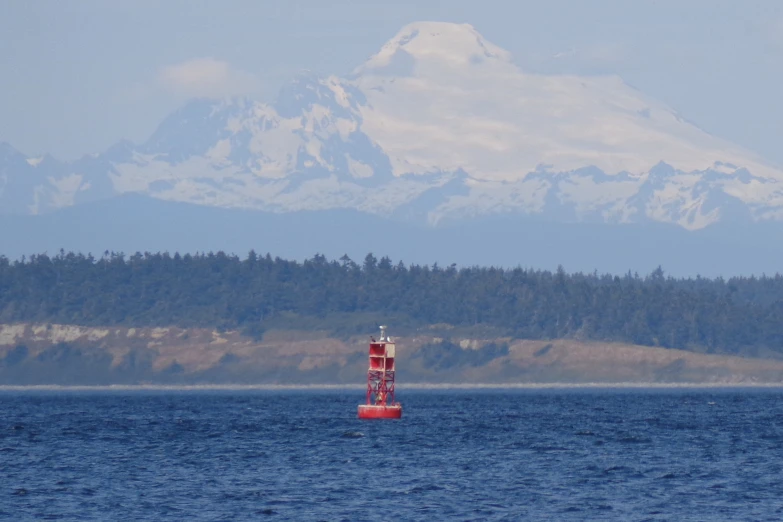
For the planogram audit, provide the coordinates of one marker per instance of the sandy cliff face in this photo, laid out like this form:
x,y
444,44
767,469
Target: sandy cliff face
x,y
73,354
66,354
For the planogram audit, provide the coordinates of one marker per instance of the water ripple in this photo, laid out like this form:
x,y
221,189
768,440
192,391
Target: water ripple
x,y
525,454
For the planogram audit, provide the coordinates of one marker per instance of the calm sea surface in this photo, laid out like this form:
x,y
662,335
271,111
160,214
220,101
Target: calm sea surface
x,y
579,454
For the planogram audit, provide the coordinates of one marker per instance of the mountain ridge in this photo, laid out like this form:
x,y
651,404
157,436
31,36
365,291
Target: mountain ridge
x,y
138,223
439,125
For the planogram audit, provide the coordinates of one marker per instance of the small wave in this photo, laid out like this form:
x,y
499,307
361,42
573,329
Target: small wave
x,y
352,435
547,449
616,469
423,489
634,439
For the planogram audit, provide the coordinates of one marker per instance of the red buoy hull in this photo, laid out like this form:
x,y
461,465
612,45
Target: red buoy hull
x,y
371,411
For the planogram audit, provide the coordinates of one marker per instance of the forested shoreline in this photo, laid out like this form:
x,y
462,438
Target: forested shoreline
x,y
735,315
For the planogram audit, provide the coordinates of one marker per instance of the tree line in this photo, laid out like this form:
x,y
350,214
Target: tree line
x,y
740,314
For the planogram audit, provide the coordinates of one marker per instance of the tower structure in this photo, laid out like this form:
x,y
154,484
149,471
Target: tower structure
x,y
380,402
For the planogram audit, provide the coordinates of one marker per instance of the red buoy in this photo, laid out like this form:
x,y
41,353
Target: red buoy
x,y
380,382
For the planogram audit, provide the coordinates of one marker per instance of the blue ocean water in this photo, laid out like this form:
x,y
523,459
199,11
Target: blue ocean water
x,y
575,454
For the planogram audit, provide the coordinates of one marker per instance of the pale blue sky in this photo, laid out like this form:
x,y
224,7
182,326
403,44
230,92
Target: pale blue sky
x,y
79,75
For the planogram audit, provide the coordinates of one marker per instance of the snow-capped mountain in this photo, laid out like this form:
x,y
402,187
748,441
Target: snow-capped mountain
x,y
438,126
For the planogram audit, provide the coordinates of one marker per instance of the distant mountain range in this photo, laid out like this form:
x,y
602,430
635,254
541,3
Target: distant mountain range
x,y
438,129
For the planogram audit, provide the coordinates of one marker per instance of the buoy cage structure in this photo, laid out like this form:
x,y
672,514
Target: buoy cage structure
x,y
380,402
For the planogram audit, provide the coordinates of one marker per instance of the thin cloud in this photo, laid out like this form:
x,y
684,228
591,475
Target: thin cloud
x,y
775,32
598,55
584,59
206,77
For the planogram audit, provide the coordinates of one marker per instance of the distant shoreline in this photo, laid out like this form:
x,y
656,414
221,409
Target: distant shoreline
x,y
400,387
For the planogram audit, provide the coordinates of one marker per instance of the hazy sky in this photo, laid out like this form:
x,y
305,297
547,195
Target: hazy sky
x,y
79,75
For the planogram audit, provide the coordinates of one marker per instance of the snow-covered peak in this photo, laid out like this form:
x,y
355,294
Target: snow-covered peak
x,y
438,125
440,97
423,44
